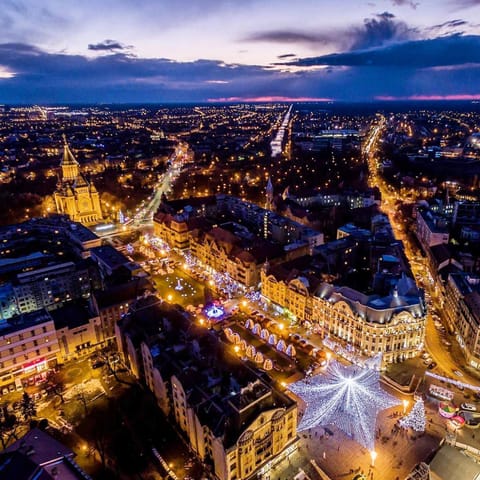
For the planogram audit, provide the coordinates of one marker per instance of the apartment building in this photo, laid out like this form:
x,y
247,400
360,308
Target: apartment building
x,y
462,298
28,348
235,422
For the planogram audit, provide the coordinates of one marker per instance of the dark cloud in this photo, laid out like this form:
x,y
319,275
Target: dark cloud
x,y
290,36
108,45
403,3
451,50
42,77
382,29
286,55
450,24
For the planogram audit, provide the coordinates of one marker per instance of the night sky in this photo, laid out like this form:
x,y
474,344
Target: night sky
x,y
104,51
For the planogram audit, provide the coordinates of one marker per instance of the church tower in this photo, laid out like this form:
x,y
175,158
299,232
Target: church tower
x,y
269,195
74,195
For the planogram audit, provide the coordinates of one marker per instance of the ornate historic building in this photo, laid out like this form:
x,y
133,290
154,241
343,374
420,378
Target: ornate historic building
x,y
75,196
393,325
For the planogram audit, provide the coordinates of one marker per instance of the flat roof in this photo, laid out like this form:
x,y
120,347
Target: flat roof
x,y
451,464
26,320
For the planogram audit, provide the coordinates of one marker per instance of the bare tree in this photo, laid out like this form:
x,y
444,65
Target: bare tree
x,y
101,442
112,363
55,385
81,397
8,426
27,407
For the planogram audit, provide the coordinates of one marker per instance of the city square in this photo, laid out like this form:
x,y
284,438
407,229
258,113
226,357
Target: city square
x,y
240,240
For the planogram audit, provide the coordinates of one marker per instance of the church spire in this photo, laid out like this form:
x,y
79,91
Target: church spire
x,y
68,158
69,164
269,194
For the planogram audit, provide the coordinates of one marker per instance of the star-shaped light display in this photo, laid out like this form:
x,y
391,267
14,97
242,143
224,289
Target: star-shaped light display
x,y
348,397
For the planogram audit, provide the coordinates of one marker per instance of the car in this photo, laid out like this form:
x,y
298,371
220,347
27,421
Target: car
x,y
458,373
98,364
302,342
427,361
432,366
425,355
469,407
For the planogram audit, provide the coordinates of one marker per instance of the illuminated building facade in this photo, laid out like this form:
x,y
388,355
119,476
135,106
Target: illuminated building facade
x,y
232,419
393,325
28,348
75,196
462,298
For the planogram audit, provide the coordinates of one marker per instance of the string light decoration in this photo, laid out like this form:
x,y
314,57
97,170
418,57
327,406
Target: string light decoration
x,y
416,418
349,397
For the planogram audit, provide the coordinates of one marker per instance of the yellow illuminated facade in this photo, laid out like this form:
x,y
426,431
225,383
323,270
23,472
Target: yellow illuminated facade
x,y
393,325
75,196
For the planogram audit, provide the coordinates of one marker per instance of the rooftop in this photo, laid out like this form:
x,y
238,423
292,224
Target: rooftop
x,y
37,455
24,321
109,256
451,464
71,315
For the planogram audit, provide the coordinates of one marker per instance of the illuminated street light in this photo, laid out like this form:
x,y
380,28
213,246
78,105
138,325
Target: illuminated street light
x,y
236,348
169,297
373,456
405,406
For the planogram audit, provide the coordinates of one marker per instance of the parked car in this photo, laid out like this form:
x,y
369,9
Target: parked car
x,y
98,364
432,366
458,373
468,406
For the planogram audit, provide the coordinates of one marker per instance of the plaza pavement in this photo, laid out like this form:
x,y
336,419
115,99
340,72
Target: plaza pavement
x,y
341,458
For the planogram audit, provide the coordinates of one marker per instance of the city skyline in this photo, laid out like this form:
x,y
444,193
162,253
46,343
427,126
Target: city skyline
x,y
220,51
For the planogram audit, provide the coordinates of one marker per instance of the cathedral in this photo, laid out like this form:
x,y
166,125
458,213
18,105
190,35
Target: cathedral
x,y
74,196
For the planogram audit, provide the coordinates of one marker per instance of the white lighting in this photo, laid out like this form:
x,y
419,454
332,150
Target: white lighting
x,y
348,397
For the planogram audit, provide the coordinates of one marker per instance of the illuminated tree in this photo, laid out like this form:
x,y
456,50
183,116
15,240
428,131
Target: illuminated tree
x,y
349,397
416,418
